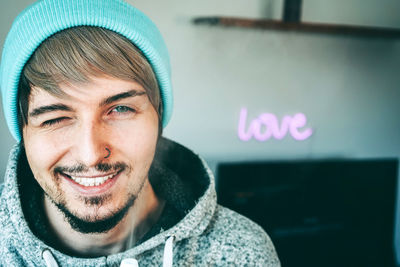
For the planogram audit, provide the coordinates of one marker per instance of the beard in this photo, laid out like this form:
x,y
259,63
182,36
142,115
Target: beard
x,y
92,224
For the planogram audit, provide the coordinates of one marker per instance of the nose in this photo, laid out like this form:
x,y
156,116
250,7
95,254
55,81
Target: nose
x,y
91,144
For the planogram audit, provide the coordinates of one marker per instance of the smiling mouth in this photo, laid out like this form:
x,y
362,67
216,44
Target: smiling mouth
x,y
91,181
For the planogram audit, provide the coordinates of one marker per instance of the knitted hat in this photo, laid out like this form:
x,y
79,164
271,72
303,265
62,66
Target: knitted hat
x,y
47,17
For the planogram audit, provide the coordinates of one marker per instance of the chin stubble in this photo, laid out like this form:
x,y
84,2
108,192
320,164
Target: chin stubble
x,y
94,224
90,224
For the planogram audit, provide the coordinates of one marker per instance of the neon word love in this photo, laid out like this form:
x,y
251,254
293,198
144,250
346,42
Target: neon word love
x,y
266,125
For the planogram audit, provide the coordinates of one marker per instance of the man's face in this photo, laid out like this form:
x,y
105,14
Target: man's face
x,y
66,139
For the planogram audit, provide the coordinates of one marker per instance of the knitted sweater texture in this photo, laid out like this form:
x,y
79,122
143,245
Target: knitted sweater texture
x,y
206,235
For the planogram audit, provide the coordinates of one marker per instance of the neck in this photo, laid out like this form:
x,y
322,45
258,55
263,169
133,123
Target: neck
x,y
137,222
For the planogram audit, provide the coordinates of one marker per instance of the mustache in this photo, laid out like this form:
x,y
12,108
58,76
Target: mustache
x,y
81,168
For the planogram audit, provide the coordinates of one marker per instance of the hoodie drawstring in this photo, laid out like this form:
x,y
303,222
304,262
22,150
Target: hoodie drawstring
x,y
167,258
168,252
49,258
129,262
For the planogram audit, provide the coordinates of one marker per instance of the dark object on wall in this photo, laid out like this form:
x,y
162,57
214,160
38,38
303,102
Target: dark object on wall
x,y
318,213
268,24
291,21
292,11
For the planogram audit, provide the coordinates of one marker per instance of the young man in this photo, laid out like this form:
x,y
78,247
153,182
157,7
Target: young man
x,y
86,91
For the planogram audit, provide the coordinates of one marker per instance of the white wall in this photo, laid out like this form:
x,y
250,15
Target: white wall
x,y
347,86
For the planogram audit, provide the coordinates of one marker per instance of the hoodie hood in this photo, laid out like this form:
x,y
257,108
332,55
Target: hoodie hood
x,y
172,162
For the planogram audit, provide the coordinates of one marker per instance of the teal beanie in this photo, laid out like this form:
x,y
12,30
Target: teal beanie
x,y
47,17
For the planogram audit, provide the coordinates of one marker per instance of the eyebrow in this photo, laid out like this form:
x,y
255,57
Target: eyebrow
x,y
50,108
120,96
61,107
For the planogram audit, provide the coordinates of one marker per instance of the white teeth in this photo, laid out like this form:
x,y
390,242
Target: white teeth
x,y
91,181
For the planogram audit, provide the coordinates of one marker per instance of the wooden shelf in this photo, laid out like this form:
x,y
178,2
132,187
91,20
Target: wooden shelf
x,y
278,25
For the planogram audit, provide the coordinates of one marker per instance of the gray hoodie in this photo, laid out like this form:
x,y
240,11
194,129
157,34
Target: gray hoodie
x,y
207,234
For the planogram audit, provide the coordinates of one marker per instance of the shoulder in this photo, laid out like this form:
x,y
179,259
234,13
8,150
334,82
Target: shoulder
x,y
1,188
4,214
3,198
242,240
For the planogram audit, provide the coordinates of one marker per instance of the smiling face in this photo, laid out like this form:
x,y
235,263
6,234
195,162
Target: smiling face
x,y
91,149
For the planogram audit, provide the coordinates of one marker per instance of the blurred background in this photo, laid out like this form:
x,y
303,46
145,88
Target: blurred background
x,y
345,83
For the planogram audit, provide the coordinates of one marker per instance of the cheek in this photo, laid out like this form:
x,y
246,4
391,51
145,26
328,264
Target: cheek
x,y
42,152
137,141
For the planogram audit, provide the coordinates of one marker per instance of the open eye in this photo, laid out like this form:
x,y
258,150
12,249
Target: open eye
x,y
53,121
122,109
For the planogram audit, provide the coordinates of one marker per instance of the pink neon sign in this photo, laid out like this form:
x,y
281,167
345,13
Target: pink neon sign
x,y
266,125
